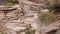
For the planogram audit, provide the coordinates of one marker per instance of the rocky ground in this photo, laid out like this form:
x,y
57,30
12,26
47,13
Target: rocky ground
x,y
14,19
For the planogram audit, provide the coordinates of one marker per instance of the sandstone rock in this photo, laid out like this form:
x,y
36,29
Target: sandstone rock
x,y
2,14
45,10
10,26
57,32
15,21
14,15
51,27
3,17
22,32
2,29
15,25
3,21
29,8
2,8
20,15
9,31
19,28
26,11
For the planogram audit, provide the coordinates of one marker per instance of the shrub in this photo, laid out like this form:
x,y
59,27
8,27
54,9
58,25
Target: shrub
x,y
46,17
28,30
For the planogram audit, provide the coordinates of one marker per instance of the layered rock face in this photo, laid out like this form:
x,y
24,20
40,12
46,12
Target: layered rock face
x,y
14,19
3,20
11,16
